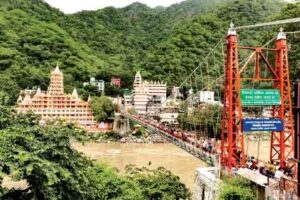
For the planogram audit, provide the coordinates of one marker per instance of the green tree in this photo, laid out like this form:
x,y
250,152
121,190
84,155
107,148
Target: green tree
x,y
236,188
165,44
148,180
102,107
52,169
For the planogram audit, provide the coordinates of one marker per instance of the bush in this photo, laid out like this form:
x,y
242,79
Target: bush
x,y
236,188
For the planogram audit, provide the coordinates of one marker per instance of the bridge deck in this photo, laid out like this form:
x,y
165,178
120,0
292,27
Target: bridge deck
x,y
210,159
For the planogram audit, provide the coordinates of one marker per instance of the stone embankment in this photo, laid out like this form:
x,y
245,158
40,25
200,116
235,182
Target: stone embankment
x,y
149,139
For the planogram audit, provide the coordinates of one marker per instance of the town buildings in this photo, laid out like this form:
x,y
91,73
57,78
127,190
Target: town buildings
x,y
100,84
116,82
55,104
148,95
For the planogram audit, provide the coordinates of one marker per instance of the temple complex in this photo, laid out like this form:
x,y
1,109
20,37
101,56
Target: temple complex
x,y
55,104
148,95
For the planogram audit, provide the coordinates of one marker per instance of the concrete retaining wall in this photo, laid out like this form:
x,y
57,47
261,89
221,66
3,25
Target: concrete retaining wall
x,y
206,184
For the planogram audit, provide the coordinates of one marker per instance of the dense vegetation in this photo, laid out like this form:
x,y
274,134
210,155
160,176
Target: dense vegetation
x,y
236,188
164,43
52,169
207,121
103,108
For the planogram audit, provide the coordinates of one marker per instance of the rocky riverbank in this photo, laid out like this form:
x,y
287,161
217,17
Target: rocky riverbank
x,y
129,138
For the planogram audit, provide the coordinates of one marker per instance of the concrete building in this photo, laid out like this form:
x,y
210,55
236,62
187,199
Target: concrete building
x,y
169,117
100,84
206,96
148,95
140,100
116,82
55,104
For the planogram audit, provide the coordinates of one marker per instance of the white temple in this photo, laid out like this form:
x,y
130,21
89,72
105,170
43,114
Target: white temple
x,y
148,95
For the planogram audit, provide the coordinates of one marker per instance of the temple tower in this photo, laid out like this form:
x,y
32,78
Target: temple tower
x,y
56,86
137,80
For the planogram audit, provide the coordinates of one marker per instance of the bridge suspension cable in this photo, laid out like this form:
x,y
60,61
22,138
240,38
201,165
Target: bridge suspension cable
x,y
244,62
279,22
199,65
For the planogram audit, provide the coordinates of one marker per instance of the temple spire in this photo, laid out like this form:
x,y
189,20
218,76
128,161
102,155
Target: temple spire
x,y
56,70
56,86
74,93
137,79
38,91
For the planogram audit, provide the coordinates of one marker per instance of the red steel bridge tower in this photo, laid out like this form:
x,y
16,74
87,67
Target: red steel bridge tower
x,y
232,144
282,143
232,141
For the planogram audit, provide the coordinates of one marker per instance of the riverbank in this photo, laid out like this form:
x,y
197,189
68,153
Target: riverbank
x,y
144,138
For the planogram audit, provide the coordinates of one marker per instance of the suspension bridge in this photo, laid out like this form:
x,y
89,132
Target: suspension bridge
x,y
253,81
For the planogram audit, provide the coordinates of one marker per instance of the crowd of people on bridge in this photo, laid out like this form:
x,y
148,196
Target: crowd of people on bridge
x,y
272,170
211,147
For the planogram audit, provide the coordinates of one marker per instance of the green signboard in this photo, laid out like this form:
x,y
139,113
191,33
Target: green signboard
x,y
255,97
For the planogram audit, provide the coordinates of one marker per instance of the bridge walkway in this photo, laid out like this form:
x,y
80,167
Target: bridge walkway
x,y
209,158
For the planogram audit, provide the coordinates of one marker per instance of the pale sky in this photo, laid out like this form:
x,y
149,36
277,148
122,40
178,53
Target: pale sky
x,y
71,6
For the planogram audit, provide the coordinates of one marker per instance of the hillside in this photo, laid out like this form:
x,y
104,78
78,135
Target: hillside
x,y
164,43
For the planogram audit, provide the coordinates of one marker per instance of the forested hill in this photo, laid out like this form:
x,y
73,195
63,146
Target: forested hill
x,y
164,43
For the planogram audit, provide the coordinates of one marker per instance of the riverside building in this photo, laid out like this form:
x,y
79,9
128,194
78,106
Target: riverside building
x,y
148,95
55,104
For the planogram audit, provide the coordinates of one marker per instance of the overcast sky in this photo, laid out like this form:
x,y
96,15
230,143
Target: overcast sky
x,y
71,6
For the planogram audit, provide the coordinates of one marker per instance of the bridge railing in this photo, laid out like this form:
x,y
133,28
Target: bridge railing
x,y
289,185
285,189
210,158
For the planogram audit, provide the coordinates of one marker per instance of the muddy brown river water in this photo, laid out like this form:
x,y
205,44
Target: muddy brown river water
x,y
167,155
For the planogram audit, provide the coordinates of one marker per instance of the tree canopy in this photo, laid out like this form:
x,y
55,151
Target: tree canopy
x,y
165,44
52,169
102,107
236,188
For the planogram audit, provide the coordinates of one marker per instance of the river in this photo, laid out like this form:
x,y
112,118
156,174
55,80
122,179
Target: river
x,y
167,155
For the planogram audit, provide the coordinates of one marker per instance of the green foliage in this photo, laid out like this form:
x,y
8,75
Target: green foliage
x,y
140,133
106,136
88,91
163,43
292,11
236,188
102,107
52,169
206,120
157,184
112,90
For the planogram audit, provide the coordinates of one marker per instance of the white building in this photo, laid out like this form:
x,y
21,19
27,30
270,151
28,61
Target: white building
x,y
169,117
207,96
148,95
140,100
99,83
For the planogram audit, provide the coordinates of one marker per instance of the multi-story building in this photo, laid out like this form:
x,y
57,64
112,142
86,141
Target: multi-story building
x,y
100,84
148,95
116,81
55,104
